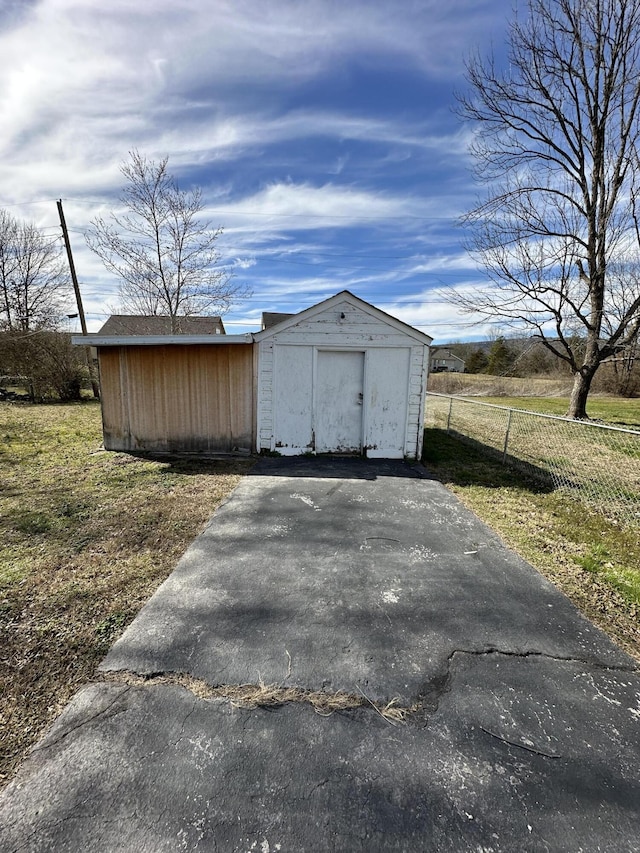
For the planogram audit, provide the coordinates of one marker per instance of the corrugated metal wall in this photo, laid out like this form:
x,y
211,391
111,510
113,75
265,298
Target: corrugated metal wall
x,y
178,398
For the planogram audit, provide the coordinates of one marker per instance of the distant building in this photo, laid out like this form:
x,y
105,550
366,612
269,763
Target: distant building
x,y
444,361
135,324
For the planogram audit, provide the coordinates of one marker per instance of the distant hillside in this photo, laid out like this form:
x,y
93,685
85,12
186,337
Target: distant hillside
x,y
485,346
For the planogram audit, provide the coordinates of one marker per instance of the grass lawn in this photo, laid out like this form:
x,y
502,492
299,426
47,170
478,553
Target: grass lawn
x,y
592,560
536,394
618,411
86,537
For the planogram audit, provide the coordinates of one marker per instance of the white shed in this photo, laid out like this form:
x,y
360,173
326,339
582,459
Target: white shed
x,y
342,377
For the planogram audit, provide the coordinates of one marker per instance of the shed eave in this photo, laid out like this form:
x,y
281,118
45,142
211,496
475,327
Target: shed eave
x,y
94,340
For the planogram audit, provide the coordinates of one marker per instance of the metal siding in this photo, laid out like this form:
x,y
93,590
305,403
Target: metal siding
x,y
113,427
195,398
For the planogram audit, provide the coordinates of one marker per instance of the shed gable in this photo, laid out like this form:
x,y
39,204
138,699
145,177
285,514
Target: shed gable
x,y
345,311
343,324
295,410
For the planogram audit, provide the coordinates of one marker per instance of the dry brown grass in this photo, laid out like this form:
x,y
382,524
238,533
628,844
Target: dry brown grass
x,y
263,695
86,537
481,385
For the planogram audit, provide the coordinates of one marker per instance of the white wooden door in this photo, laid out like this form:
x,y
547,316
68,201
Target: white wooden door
x,y
339,402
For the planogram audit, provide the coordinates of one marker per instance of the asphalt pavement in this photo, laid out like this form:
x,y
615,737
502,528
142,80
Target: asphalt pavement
x,y
356,579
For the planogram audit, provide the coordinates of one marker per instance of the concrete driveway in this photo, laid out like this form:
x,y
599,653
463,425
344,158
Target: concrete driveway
x,y
522,720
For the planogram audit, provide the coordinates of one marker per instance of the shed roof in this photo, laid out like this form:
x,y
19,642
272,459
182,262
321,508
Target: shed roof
x,y
126,325
272,318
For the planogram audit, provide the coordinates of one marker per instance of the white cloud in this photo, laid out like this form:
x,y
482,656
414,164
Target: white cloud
x,y
310,206
212,82
86,82
83,83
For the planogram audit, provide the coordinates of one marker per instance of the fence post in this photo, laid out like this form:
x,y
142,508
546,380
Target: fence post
x,y
449,415
506,437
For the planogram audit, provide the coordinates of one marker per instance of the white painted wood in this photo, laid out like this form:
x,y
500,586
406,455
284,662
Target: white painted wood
x,y
339,401
265,431
293,399
418,384
343,307
295,391
329,328
95,340
386,402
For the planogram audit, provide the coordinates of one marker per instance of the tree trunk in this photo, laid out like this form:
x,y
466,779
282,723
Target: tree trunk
x,y
578,401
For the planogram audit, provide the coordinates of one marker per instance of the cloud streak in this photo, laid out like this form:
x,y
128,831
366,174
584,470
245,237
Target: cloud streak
x,y
319,131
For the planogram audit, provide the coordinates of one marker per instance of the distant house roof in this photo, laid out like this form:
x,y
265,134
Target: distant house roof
x,y
131,324
272,318
443,352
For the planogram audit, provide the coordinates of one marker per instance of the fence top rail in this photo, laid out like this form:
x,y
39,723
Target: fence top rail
x,y
591,424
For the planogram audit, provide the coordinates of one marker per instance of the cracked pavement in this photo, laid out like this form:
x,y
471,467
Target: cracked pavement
x,y
522,729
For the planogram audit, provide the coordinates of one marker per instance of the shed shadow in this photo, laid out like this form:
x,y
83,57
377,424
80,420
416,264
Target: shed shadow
x,y
455,458
335,467
194,463
348,467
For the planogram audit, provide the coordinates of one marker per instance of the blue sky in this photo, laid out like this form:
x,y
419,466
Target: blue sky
x,y
322,135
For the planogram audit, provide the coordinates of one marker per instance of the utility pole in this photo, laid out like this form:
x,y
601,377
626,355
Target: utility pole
x,y
74,278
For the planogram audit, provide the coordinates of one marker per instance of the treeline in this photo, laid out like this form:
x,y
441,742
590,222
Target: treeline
x,y
523,357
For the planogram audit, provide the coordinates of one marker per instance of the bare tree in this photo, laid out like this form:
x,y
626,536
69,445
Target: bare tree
x,y
556,142
162,251
33,278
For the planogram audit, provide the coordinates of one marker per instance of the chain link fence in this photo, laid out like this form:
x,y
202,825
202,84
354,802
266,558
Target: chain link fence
x,y
598,464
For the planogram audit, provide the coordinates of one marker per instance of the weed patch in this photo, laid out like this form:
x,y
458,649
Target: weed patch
x,y
595,560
